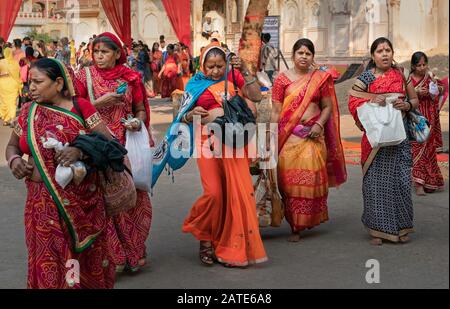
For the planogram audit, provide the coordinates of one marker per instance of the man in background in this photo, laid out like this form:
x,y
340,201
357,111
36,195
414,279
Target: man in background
x,y
269,56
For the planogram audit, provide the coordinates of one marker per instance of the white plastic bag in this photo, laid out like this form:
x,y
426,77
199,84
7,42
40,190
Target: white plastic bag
x,y
264,79
140,156
63,175
383,124
433,89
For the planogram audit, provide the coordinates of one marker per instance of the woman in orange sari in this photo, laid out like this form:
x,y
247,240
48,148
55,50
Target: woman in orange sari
x,y
224,217
388,209
311,158
427,175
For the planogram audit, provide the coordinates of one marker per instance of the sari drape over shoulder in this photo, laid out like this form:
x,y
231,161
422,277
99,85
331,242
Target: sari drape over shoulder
x,y
225,214
132,227
62,224
392,82
307,168
388,209
426,171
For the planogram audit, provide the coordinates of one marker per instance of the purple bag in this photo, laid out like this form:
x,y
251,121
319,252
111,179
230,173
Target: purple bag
x,y
301,131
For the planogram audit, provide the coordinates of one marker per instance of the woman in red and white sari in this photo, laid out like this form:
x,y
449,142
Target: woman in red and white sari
x,y
99,84
427,175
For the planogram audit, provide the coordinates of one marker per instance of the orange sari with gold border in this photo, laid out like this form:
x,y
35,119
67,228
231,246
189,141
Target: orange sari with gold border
x,y
307,168
226,212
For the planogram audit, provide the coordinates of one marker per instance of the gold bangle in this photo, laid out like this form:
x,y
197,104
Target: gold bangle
x,y
320,125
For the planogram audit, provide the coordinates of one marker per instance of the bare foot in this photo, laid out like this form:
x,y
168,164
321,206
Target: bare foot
x,y
420,191
295,237
376,241
404,239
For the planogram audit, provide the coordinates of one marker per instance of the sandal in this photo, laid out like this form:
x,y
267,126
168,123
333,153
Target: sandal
x,y
231,265
120,268
206,253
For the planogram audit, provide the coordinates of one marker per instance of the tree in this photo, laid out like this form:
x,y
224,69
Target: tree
x,y
39,36
250,42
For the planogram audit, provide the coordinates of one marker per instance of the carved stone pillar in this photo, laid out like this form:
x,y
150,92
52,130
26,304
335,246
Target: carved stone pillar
x,y
394,19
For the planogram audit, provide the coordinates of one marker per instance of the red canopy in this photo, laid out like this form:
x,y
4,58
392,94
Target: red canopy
x,y
8,15
119,15
179,13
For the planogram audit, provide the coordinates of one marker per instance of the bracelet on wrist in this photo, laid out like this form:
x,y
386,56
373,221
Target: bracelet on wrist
x,y
184,118
254,79
410,106
11,159
320,125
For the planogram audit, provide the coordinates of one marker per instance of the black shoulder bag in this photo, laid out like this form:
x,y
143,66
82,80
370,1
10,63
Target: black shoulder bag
x,y
238,123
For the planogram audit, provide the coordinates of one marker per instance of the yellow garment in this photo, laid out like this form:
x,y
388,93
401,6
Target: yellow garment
x,y
73,53
10,86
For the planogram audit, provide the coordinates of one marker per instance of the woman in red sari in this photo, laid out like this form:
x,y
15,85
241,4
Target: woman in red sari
x,y
168,75
426,173
99,83
185,59
388,209
311,158
224,217
156,65
64,228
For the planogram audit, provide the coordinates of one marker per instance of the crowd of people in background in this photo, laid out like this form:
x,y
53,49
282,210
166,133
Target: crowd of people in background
x,y
79,87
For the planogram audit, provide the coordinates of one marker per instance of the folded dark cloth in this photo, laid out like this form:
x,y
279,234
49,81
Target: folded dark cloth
x,y
102,153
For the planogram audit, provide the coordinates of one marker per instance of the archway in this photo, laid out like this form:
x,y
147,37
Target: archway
x,y
151,28
82,33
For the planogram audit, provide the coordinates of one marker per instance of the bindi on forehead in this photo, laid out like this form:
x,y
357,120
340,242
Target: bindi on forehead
x,y
101,46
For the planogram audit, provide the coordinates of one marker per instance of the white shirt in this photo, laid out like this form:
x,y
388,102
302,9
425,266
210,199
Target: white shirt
x,y
207,27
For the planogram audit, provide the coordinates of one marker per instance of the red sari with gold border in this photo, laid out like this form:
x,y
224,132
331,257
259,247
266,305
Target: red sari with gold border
x,y
307,168
388,208
426,171
62,224
133,226
391,81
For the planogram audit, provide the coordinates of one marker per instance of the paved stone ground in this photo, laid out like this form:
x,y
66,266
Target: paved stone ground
x,y
332,255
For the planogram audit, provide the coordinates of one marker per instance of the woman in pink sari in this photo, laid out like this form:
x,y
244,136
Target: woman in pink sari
x,y
311,157
100,83
426,173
